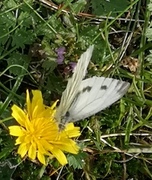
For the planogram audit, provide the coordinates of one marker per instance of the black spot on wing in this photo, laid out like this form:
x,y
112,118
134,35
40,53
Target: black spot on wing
x,y
88,89
64,120
104,87
67,115
76,97
123,87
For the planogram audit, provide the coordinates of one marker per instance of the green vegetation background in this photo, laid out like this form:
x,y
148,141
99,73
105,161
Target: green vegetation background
x,y
116,143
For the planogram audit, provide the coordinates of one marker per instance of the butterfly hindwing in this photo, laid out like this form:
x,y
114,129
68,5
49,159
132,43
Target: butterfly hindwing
x,y
94,95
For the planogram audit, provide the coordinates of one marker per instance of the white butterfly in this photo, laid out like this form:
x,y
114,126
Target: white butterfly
x,y
84,98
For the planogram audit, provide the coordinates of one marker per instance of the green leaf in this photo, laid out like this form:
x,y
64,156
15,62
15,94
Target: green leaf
x,y
149,57
18,59
50,59
4,34
6,170
22,37
7,19
149,33
10,4
150,5
70,176
5,152
103,7
58,1
65,1
78,6
77,161
27,18
50,64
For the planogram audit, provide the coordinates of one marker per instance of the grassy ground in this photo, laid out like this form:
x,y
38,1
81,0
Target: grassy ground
x,y
115,143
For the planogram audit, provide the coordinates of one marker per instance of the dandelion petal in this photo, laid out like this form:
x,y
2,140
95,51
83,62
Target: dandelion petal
x,y
19,115
16,131
41,158
32,151
22,150
59,156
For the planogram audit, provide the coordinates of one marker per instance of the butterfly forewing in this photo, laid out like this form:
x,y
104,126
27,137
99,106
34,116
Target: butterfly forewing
x,y
73,85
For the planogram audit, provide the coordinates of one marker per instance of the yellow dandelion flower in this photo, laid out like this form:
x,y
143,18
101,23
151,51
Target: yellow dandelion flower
x,y
38,135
